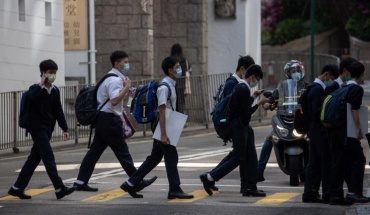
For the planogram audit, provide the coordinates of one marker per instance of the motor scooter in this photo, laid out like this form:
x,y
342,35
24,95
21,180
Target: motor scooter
x,y
290,147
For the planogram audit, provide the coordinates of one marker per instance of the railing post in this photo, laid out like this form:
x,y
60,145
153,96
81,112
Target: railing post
x,y
205,96
76,123
15,124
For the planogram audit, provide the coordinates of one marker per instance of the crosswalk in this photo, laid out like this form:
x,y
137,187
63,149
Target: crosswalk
x,y
110,195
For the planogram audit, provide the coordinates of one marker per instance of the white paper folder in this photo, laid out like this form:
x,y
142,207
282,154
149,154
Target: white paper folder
x,y
351,128
175,123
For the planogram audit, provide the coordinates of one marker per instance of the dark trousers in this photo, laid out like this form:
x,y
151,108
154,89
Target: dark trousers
x,y
41,150
171,159
355,166
319,162
338,149
108,132
246,169
243,154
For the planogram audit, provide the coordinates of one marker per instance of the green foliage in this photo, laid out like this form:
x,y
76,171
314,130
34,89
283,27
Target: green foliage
x,y
288,30
359,26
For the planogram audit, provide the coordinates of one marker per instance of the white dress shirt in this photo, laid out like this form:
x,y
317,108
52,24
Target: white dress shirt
x,y
162,93
110,88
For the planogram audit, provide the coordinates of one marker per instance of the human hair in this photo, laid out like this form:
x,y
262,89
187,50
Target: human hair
x,y
332,69
245,61
117,56
356,69
167,63
176,50
345,63
47,65
255,70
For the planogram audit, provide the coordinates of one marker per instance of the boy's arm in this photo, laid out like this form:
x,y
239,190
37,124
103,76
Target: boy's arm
x,y
162,123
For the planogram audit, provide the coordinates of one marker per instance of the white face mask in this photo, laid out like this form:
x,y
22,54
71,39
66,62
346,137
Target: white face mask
x,y
51,78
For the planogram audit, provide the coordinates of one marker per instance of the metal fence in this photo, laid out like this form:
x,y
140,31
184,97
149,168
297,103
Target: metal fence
x,y
198,106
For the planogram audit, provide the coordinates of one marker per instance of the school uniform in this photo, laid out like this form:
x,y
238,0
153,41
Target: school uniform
x,y
244,151
355,158
108,130
319,162
44,111
229,86
159,150
340,145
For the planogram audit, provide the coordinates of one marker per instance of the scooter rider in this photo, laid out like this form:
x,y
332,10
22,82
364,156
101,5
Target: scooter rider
x,y
294,69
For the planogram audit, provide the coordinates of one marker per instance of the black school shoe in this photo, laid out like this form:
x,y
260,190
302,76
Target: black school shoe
x,y
357,198
18,193
340,201
84,187
64,192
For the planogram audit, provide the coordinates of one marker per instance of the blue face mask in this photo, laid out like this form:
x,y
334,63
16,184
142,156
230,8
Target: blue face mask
x,y
178,72
125,68
296,76
328,83
253,84
348,78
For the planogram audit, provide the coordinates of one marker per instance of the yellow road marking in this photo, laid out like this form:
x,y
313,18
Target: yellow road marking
x,y
107,196
31,192
198,194
277,198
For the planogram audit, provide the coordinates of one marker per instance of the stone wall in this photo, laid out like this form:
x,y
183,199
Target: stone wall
x,y
146,30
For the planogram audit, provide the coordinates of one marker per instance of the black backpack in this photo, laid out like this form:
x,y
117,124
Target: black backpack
x,y
221,117
86,106
334,109
220,92
301,121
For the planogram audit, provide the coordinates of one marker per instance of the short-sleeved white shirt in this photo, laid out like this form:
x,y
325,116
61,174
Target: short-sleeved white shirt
x,y
110,88
162,93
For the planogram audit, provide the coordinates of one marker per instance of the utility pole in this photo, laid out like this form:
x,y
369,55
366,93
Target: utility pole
x,y
312,39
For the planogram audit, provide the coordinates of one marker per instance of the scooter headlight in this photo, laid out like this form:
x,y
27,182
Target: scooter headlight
x,y
283,131
296,134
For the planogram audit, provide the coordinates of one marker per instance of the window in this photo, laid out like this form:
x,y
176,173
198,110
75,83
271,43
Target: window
x,y
22,10
48,13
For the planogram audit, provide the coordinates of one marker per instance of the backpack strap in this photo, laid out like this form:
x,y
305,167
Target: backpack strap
x,y
169,92
98,85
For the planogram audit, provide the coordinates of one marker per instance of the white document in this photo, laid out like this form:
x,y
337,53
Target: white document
x,y
351,128
175,122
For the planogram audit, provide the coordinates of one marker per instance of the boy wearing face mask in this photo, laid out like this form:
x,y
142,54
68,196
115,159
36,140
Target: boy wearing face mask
x,y
244,150
243,64
344,75
172,69
319,161
44,110
109,125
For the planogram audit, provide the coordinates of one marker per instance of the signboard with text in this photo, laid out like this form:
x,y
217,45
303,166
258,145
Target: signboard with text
x,y
75,27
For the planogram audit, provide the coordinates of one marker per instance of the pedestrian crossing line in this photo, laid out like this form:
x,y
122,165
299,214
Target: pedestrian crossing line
x,y
106,196
277,198
198,194
31,192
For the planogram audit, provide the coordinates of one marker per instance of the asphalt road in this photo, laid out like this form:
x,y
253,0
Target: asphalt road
x,y
198,153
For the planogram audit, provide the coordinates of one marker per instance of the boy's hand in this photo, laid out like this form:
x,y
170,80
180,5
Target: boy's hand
x,y
66,136
258,93
165,140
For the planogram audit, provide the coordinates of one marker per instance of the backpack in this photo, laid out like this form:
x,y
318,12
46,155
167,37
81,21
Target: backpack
x,y
145,102
220,92
221,117
301,121
86,106
23,111
334,109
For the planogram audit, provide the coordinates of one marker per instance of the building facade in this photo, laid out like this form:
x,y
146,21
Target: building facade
x,y
30,32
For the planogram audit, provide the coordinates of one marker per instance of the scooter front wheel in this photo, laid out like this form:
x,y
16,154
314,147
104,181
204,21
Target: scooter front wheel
x,y
294,170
